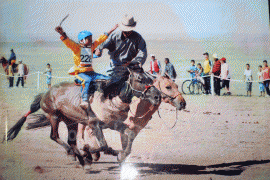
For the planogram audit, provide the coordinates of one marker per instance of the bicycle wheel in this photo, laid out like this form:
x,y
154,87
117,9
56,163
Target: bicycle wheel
x,y
202,88
185,86
196,87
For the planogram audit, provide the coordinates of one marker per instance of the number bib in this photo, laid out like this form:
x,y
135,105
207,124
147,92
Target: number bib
x,y
86,56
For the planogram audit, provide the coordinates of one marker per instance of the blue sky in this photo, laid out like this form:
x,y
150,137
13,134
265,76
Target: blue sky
x,y
196,19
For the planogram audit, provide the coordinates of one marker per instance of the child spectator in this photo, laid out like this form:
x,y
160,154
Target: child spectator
x,y
260,77
200,73
192,70
48,73
248,76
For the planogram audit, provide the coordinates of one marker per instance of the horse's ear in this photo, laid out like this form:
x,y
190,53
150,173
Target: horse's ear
x,y
166,76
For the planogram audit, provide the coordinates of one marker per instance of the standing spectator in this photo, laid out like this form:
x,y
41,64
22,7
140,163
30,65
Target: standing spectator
x,y
216,71
10,74
200,73
21,74
193,69
225,75
248,76
169,69
48,72
207,69
260,77
266,76
155,67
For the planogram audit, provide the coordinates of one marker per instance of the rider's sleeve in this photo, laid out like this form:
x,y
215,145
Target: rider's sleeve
x,y
99,40
142,52
72,45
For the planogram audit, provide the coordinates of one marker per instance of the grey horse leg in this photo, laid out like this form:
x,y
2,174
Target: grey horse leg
x,y
127,139
55,136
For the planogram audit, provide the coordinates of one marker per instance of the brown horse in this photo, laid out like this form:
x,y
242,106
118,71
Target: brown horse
x,y
128,122
61,103
15,70
139,118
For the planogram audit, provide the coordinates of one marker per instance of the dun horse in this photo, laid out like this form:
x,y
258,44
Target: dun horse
x,y
61,103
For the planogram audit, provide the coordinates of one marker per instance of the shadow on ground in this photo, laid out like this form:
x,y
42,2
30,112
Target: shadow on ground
x,y
146,169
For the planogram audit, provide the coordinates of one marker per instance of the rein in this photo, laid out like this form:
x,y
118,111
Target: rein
x,y
142,93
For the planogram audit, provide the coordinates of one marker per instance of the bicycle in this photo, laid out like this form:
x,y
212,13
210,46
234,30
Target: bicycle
x,y
193,86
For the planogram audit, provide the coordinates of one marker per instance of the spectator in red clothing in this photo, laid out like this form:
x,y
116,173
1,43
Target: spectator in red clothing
x,y
155,66
266,76
216,71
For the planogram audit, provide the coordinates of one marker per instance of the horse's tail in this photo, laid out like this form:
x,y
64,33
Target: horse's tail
x,y
35,106
40,121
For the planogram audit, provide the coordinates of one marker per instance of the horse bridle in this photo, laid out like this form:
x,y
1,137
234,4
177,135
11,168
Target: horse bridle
x,y
166,95
159,89
142,93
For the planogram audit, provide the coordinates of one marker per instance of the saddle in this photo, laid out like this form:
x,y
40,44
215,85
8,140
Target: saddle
x,y
96,85
110,90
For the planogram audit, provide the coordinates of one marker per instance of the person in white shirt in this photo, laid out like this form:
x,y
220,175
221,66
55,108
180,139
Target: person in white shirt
x,y
248,77
20,74
225,76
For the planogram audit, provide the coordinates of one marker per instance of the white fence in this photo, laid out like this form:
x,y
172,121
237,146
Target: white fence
x,y
37,80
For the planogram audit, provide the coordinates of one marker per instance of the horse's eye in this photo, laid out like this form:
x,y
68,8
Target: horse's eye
x,y
168,87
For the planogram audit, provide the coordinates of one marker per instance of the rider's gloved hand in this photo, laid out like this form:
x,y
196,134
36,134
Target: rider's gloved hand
x,y
135,65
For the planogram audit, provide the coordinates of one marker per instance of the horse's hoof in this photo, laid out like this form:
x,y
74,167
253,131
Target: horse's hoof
x,y
121,156
88,160
109,150
96,156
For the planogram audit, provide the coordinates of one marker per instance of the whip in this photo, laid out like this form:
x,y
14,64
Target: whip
x,y
63,19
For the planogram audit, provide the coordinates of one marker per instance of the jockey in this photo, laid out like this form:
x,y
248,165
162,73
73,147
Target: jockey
x,y
83,55
126,47
12,60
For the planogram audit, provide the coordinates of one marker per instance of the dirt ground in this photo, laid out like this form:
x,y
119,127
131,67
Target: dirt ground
x,y
214,138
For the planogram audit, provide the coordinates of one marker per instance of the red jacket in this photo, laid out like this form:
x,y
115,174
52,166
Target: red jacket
x,y
216,68
156,67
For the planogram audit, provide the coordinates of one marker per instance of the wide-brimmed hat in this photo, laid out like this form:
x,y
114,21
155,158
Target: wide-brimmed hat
x,y
128,23
152,55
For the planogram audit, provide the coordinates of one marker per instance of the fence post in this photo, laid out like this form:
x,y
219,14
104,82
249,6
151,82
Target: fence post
x,y
212,84
38,80
6,128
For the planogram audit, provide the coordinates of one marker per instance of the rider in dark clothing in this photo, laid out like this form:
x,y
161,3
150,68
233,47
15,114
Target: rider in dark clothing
x,y
125,47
